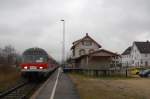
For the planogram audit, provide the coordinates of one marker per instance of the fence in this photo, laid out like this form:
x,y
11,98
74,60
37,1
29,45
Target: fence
x,y
98,72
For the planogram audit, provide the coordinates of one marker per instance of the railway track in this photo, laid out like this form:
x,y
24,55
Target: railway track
x,y
24,89
20,91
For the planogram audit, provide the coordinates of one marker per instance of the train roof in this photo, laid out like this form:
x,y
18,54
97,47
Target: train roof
x,y
35,51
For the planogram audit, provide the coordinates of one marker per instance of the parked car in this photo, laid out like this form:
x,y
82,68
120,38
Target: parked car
x,y
144,73
135,71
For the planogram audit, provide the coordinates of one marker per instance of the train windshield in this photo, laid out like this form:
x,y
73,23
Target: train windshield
x,y
35,58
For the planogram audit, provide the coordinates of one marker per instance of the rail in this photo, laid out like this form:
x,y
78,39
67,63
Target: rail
x,y
20,91
23,90
7,92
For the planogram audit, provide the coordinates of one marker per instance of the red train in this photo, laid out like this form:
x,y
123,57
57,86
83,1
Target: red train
x,y
36,61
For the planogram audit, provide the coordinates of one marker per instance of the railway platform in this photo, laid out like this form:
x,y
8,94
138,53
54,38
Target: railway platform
x,y
58,86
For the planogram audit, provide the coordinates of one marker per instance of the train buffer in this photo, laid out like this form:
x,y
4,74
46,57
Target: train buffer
x,y
58,86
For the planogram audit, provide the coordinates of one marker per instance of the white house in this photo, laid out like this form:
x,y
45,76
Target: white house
x,y
138,55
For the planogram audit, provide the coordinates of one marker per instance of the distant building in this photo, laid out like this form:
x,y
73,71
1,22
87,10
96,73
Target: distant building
x,y
87,53
137,55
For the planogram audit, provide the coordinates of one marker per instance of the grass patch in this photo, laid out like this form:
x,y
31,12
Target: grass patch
x,y
110,87
8,77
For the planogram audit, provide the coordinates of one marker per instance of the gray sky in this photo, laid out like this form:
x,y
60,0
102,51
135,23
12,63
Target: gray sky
x,y
115,24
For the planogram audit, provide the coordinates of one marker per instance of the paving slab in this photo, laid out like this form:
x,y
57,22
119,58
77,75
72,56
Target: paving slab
x,y
65,88
44,92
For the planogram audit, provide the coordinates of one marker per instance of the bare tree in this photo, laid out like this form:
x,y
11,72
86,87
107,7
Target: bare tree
x,y
8,55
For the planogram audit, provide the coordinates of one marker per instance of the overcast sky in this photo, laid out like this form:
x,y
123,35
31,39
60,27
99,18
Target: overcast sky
x,y
114,24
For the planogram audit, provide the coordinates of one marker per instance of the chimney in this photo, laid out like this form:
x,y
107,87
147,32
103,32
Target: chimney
x,y
86,34
147,41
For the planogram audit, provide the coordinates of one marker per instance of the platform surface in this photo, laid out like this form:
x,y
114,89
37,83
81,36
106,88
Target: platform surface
x,y
65,88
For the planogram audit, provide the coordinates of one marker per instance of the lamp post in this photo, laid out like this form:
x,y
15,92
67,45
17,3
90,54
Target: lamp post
x,y
63,43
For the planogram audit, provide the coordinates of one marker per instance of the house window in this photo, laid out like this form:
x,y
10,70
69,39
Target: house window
x,y
138,63
82,42
73,52
127,63
87,43
91,50
146,63
135,57
141,61
81,52
133,62
145,55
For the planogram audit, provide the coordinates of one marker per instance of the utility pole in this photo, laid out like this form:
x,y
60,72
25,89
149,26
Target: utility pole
x,y
63,43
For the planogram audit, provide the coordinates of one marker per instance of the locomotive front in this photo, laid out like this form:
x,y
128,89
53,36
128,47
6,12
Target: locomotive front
x,y
35,61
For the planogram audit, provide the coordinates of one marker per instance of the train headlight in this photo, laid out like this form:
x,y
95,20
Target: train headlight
x,y
41,67
25,67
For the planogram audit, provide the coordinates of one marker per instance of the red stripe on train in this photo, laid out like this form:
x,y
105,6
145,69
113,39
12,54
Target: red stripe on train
x,y
38,65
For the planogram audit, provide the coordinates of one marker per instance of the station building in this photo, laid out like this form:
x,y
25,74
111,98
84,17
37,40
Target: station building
x,y
88,54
